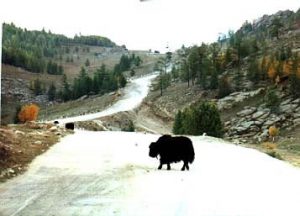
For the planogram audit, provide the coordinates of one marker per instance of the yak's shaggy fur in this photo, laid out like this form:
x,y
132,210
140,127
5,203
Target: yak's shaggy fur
x,y
173,149
70,125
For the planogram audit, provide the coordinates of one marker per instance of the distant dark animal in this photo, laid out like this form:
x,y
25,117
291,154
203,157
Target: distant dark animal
x,y
70,125
56,122
173,149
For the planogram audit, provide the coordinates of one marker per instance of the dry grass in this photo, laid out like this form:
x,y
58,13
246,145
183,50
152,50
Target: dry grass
x,y
269,145
20,144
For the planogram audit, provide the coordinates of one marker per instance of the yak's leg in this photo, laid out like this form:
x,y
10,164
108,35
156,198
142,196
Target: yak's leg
x,y
169,167
160,165
185,165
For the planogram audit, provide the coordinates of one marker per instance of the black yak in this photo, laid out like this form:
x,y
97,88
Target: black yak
x,y
173,149
70,125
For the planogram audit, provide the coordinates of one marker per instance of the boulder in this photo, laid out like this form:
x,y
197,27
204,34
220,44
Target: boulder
x,y
288,108
53,129
17,132
296,101
271,122
262,114
258,123
296,115
264,136
247,125
246,112
38,142
296,121
285,102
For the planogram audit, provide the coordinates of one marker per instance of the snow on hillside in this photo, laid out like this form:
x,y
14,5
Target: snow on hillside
x,y
110,173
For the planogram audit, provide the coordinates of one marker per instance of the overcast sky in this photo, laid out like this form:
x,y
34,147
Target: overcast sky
x,y
140,25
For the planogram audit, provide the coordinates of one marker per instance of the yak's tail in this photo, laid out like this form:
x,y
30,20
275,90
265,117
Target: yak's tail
x,y
192,157
191,154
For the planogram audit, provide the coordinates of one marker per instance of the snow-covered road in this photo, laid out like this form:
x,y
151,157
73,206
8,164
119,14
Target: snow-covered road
x,y
110,173
134,93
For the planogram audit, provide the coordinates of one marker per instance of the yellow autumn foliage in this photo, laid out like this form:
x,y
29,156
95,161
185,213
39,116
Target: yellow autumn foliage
x,y
28,112
273,132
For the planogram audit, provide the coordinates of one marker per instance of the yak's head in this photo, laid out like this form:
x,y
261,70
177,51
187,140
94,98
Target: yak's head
x,y
154,149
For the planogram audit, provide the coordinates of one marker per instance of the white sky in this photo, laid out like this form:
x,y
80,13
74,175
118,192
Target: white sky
x,y
140,25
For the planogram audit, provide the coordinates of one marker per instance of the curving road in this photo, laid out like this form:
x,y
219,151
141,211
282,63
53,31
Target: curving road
x,y
134,93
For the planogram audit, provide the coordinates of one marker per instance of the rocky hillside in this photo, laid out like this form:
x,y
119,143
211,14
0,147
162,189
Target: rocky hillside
x,y
238,73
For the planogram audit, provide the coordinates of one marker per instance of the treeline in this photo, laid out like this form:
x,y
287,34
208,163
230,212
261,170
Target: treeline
x,y
102,81
128,62
32,49
93,40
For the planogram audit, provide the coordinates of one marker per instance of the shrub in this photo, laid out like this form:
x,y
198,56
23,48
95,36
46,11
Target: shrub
x,y
199,118
268,145
272,100
273,132
28,112
129,127
274,154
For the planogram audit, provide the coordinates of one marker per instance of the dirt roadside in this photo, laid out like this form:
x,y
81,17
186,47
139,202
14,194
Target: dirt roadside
x,y
20,144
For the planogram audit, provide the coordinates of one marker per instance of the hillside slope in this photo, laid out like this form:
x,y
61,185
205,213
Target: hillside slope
x,y
253,77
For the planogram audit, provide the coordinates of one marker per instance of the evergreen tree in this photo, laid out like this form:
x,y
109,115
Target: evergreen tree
x,y
164,78
224,87
253,71
199,118
294,77
16,118
193,63
178,127
37,87
52,92
272,100
214,80
66,92
87,63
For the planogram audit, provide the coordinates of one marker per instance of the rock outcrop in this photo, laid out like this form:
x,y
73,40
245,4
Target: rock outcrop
x,y
252,123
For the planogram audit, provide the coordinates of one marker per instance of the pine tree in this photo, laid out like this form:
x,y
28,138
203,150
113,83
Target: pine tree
x,y
294,77
66,92
224,87
87,62
272,100
253,71
178,127
37,87
207,120
214,80
197,119
52,92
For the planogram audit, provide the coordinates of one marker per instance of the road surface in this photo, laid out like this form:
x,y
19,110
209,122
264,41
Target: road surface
x,y
111,174
134,93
